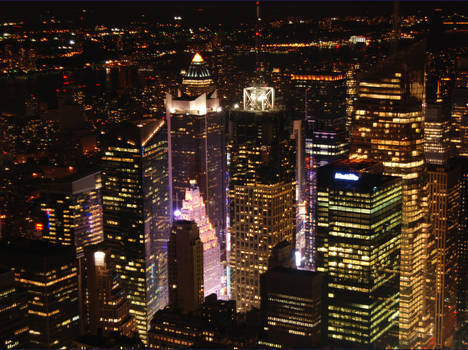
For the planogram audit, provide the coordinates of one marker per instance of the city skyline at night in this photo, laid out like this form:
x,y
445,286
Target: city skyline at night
x,y
233,174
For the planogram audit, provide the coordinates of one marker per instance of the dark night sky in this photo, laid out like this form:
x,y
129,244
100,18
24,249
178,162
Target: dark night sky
x,y
215,11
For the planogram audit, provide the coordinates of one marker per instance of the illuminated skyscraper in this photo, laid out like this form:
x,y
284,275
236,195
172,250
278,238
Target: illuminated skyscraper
x,y
459,121
437,147
326,140
136,213
14,329
73,212
48,274
194,209
462,255
388,127
197,80
358,246
261,191
185,266
444,185
197,145
107,307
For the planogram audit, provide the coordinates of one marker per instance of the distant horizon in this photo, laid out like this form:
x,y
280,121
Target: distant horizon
x,y
199,12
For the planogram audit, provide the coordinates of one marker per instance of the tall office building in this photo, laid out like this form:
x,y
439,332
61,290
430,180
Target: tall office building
x,y
261,191
459,121
14,329
326,140
107,307
197,144
136,213
437,146
291,308
48,274
388,127
462,257
73,211
444,185
185,266
194,209
358,246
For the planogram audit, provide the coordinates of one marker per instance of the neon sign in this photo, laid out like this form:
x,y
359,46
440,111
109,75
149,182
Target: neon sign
x,y
346,176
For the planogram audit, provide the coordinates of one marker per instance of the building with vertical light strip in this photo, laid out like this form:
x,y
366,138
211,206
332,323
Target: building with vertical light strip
x,y
388,127
197,144
323,96
358,247
136,213
194,209
261,191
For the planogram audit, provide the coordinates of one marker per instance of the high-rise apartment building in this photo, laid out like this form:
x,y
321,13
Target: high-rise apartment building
x,y
444,186
358,247
459,121
73,211
388,127
261,191
14,329
107,306
196,139
136,213
194,209
48,273
185,266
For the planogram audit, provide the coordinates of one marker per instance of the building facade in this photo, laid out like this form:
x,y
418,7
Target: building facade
x,y
136,213
262,204
186,290
358,246
388,127
194,209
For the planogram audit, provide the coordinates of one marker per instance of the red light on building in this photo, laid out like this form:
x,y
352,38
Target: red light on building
x,y
39,226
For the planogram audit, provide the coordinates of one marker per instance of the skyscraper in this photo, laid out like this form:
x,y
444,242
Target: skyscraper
x,y
107,307
194,209
261,191
48,274
73,211
437,147
197,144
185,266
291,308
358,246
14,328
136,213
388,127
326,140
444,185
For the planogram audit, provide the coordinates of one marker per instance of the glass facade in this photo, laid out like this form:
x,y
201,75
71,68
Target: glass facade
x,y
136,213
358,246
388,127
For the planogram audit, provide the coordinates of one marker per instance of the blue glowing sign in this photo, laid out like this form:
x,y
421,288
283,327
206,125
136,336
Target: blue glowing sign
x,y
346,176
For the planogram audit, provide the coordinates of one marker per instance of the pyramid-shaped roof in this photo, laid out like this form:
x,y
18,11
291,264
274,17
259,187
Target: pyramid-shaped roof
x,y
197,69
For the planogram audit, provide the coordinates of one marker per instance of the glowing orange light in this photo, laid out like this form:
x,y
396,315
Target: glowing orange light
x,y
197,58
39,226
